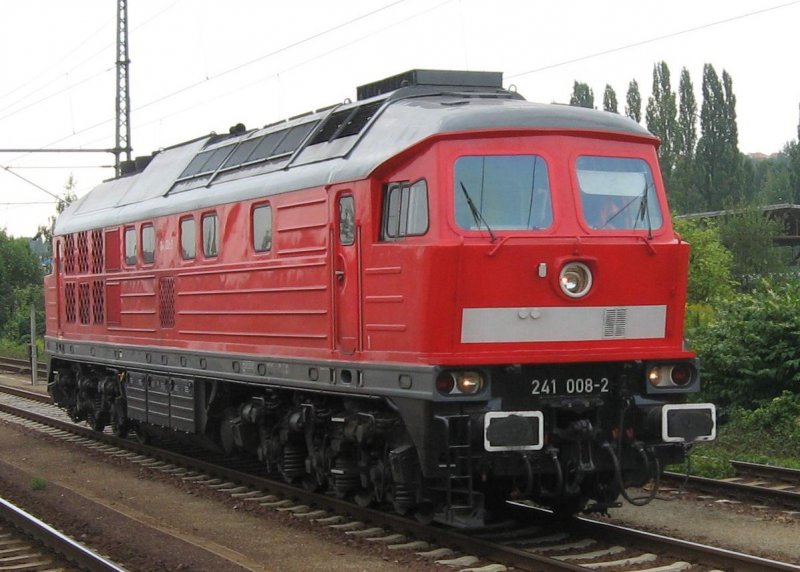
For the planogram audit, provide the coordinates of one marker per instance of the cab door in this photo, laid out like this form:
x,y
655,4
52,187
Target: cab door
x,y
346,274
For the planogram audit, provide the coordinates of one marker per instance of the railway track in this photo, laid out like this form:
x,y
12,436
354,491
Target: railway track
x,y
767,484
528,541
23,367
28,544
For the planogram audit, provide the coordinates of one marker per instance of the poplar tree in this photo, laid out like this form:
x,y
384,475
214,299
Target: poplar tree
x,y
718,160
661,118
683,195
686,136
610,99
582,95
633,102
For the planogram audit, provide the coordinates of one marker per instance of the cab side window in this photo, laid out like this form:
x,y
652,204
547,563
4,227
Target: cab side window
x,y
405,210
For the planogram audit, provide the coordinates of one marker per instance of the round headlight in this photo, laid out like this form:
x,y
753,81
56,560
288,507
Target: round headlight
x,y
469,382
575,279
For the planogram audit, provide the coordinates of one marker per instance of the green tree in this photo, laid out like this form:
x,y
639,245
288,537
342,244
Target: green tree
x,y
683,193
719,164
19,270
633,102
748,234
18,327
582,95
661,119
710,277
686,134
610,99
792,153
45,232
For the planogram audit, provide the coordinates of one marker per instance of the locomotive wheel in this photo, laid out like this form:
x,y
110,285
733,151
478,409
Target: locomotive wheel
x,y
565,509
424,513
402,499
120,425
120,429
97,421
310,483
141,436
363,497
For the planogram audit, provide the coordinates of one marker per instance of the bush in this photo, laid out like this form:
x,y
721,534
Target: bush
x,y
710,277
749,353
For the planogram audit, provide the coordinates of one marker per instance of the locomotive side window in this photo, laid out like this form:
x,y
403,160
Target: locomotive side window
x,y
130,246
148,244
618,193
210,235
188,239
506,192
347,219
405,210
262,228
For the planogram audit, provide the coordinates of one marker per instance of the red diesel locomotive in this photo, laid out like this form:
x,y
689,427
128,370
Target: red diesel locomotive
x,y
437,297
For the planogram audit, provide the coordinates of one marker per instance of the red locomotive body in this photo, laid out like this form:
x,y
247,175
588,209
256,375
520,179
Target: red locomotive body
x,y
440,295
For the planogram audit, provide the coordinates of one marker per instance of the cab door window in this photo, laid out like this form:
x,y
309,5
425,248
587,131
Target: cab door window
x,y
210,235
131,249
347,220
148,244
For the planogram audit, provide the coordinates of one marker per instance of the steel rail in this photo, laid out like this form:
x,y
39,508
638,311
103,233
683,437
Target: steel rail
x,y
59,543
447,537
687,550
451,538
784,497
786,474
22,392
22,366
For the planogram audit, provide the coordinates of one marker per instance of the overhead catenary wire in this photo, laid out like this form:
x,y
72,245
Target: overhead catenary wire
x,y
232,69
286,69
652,40
101,51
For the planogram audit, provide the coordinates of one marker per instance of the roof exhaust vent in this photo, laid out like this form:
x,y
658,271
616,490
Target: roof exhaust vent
x,y
464,80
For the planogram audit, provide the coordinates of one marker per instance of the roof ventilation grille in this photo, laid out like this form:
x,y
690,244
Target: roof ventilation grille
x,y
438,78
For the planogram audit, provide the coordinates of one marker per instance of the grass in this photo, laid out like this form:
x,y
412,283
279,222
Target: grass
x,y
745,438
13,349
38,484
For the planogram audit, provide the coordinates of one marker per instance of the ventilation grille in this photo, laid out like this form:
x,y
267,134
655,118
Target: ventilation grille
x,y
69,254
166,302
84,302
97,252
83,253
69,301
615,322
98,301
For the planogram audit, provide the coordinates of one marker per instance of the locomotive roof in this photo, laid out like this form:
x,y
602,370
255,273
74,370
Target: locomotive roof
x,y
338,144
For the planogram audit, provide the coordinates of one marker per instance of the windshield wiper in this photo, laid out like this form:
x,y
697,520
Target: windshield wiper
x,y
476,214
644,211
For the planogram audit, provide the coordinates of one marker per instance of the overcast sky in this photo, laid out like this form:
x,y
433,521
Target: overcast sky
x,y
203,65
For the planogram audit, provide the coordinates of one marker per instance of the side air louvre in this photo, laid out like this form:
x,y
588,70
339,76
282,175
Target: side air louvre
x,y
439,78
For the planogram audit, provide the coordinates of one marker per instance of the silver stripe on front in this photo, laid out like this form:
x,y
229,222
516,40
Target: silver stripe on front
x,y
562,324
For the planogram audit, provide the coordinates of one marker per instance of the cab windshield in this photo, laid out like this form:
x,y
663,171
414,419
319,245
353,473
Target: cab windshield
x,y
618,193
502,192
